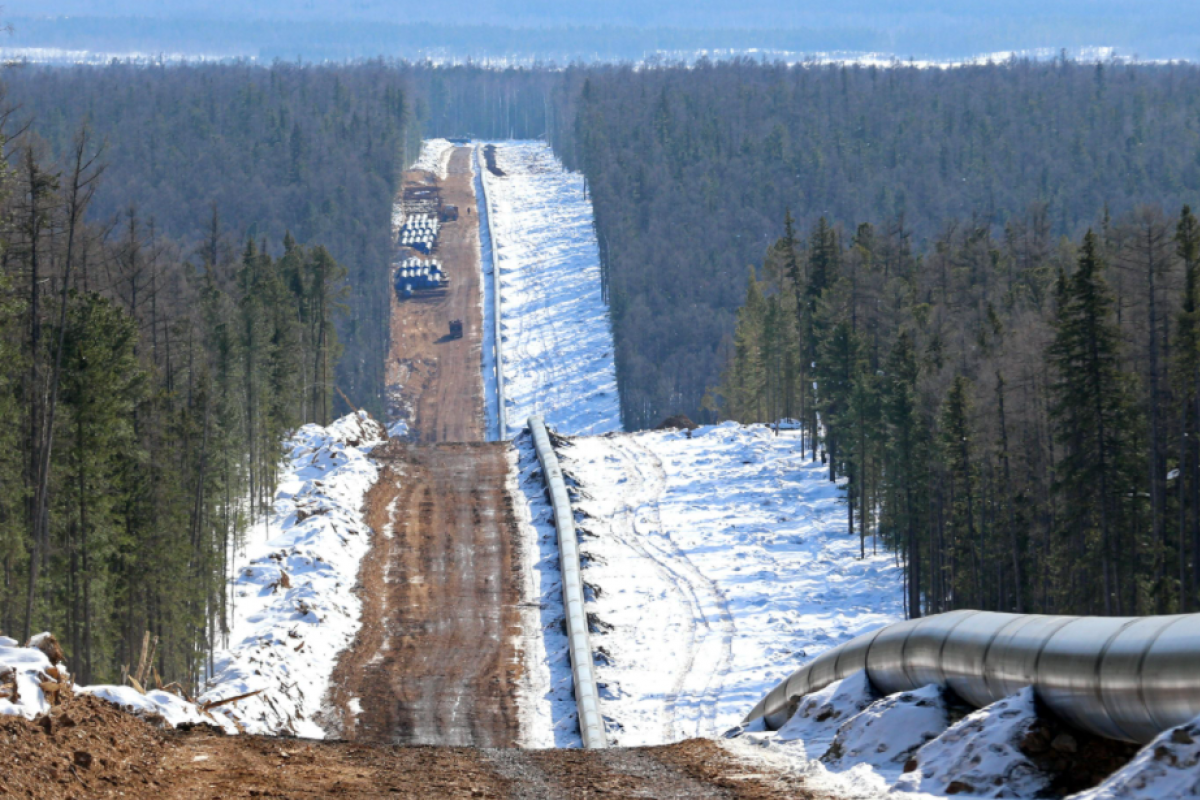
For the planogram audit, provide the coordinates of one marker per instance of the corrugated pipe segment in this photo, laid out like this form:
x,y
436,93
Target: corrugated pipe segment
x,y
1127,678
587,700
499,355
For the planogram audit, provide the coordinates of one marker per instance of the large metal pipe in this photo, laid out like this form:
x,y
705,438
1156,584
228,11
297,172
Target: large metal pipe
x,y
583,668
484,209
1127,678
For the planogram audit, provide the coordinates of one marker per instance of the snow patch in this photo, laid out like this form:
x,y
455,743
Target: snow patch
x,y
171,707
886,733
435,157
820,714
27,667
981,754
22,668
719,560
556,335
293,603
1167,767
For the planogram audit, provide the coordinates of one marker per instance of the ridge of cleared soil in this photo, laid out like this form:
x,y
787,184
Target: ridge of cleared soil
x,y
87,748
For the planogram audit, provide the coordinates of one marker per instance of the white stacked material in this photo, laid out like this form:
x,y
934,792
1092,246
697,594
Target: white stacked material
x,y
435,157
294,607
25,669
722,563
419,230
557,343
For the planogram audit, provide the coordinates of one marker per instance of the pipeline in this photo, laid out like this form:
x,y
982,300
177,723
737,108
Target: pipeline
x,y
486,208
1126,678
583,671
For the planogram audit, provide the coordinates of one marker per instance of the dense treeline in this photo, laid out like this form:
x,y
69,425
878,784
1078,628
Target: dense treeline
x,y
691,170
314,151
1018,417
145,390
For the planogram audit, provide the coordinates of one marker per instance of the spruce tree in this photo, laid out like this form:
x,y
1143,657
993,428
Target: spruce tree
x,y
1094,422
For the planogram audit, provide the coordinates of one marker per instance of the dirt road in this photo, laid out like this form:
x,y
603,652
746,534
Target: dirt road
x,y
436,660
87,748
435,382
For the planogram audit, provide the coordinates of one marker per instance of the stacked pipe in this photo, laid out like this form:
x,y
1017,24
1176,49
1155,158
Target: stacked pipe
x,y
583,670
1127,678
420,232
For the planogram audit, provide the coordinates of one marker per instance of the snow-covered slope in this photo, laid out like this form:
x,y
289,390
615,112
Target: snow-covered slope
x,y
548,714
557,345
25,670
294,608
435,157
718,564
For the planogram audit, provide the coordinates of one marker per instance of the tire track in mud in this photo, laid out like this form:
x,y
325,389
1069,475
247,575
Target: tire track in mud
x,y
437,660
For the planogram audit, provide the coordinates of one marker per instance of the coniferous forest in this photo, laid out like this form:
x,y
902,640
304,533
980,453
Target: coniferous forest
x,y
146,388
976,289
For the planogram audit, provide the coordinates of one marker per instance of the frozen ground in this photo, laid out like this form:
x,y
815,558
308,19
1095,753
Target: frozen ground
x,y
435,157
25,669
716,565
556,337
293,603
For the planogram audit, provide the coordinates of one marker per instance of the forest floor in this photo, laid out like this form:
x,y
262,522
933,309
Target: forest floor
x,y
434,382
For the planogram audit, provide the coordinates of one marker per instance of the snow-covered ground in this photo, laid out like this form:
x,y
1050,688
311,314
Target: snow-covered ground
x,y
557,344
293,603
435,157
716,565
24,670
548,713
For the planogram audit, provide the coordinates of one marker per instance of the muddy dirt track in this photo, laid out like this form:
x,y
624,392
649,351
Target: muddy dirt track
x,y
436,661
434,380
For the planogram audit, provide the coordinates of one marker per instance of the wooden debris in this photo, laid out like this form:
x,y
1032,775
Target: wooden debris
x,y
211,704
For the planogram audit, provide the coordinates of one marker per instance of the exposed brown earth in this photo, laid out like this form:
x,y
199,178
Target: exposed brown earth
x,y
435,380
436,661
87,748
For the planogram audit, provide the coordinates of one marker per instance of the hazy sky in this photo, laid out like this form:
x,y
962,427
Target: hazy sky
x,y
319,29
676,13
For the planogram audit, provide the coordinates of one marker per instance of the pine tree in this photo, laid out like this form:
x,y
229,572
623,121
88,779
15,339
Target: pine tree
x,y
906,469
1187,371
957,454
1093,417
